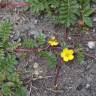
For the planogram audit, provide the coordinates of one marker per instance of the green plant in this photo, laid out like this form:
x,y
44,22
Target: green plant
x,y
51,57
43,5
80,54
41,39
32,43
9,80
29,43
86,11
67,12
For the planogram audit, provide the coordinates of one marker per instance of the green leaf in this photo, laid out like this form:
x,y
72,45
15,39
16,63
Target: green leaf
x,y
87,21
21,91
87,11
14,45
14,77
38,6
5,30
29,43
6,90
80,57
67,12
64,45
41,39
52,59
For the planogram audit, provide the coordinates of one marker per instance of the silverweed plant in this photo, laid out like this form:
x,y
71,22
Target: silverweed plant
x,y
66,12
57,53
10,83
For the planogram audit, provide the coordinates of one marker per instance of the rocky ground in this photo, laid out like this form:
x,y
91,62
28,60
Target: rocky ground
x,y
74,79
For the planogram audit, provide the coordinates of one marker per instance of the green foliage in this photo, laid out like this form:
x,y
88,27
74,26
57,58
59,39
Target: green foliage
x,y
5,29
9,79
86,11
64,45
13,45
41,39
38,6
9,87
65,12
29,43
52,59
38,41
87,21
80,57
68,11
21,92
43,5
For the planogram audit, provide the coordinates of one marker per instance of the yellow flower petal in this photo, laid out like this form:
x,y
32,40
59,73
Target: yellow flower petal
x,y
65,59
71,57
65,51
71,51
53,41
62,54
67,54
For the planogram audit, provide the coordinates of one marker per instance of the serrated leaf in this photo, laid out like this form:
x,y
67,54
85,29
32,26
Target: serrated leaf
x,y
21,91
5,29
67,12
87,21
80,56
64,45
41,39
29,43
6,90
87,11
52,59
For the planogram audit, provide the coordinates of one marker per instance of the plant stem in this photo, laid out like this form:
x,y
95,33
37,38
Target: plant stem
x,y
58,67
13,5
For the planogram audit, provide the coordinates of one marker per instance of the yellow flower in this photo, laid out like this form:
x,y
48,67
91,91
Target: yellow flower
x,y
53,41
67,54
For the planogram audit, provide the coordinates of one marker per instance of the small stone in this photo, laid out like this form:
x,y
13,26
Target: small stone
x,y
94,19
36,72
94,30
91,44
69,38
35,65
87,86
36,21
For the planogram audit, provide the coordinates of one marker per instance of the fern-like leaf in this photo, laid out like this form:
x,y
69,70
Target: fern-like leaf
x,y
5,29
67,12
52,60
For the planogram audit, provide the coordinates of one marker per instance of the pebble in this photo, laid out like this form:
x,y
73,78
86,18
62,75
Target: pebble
x,y
91,44
36,22
87,86
35,65
69,38
94,30
94,19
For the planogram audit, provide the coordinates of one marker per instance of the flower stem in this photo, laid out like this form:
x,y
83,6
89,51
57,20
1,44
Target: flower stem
x,y
58,67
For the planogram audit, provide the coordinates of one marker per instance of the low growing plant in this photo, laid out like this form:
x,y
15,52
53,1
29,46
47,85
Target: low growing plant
x,y
66,12
10,83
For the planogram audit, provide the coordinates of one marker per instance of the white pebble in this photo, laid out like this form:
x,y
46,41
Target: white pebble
x,y
36,21
69,38
35,65
94,19
36,72
87,85
91,44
